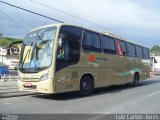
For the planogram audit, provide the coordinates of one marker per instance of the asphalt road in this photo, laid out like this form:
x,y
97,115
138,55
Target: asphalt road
x,y
116,99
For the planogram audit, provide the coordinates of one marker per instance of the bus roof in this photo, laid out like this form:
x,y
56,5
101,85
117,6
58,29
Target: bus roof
x,y
115,36
104,33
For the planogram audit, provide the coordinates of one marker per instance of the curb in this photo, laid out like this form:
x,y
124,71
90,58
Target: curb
x,y
25,94
7,80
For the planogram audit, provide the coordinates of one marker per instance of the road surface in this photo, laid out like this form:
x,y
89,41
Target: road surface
x,y
116,99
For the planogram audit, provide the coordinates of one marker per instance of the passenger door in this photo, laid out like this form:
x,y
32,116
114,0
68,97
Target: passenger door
x,y
67,58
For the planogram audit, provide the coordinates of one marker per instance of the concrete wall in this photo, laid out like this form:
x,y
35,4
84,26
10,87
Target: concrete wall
x,y
3,53
6,59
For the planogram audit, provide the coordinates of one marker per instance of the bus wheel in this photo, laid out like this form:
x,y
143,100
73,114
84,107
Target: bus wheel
x,y
86,85
136,79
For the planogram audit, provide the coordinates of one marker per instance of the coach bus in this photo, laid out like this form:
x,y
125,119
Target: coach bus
x,y
63,58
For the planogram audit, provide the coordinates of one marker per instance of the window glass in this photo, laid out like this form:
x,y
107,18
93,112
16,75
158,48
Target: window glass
x,y
108,44
131,50
91,41
139,52
37,49
71,39
146,53
123,46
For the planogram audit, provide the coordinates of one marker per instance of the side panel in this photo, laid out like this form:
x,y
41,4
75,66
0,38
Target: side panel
x,y
66,79
105,68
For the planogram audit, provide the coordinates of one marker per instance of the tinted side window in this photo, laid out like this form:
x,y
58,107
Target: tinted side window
x,y
139,52
91,41
124,48
131,50
108,44
71,39
146,53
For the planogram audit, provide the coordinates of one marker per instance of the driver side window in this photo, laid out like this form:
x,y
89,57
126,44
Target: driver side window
x,y
69,52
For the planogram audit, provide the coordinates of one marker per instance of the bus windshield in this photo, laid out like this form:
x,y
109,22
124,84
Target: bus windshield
x,y
36,53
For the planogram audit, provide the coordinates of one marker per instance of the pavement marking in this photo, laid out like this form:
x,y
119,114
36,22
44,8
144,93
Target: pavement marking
x,y
100,116
154,94
97,117
107,113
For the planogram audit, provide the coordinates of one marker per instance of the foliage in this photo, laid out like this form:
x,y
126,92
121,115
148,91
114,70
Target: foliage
x,y
1,34
156,48
2,64
5,41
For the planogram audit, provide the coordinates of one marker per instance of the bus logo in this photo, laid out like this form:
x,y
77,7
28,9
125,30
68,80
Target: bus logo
x,y
92,58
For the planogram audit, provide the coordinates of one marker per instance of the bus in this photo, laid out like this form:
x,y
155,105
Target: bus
x,y
63,57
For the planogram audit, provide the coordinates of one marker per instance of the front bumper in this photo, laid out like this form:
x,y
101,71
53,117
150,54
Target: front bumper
x,y
45,86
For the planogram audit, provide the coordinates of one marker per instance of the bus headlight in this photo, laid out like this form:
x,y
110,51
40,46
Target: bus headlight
x,y
45,77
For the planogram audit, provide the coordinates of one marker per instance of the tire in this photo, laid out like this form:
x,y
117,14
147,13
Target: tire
x,y
86,86
136,79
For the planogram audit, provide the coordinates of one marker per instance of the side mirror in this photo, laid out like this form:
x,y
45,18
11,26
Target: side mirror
x,y
60,43
61,40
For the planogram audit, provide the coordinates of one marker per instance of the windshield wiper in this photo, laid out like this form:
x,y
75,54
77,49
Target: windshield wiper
x,y
25,58
28,52
34,51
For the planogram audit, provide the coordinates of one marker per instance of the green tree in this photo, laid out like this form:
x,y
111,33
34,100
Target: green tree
x,y
5,41
156,48
1,34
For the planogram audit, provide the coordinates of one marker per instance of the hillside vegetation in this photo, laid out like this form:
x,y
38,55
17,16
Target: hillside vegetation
x,y
5,41
156,49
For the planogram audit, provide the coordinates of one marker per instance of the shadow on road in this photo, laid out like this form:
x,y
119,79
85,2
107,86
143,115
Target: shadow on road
x,y
99,91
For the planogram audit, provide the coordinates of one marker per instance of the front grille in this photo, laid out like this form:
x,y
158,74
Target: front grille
x,y
30,79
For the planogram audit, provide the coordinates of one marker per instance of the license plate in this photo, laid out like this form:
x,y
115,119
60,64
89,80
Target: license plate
x,y
28,84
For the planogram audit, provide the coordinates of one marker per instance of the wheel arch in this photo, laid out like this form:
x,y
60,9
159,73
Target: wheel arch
x,y
91,75
137,73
